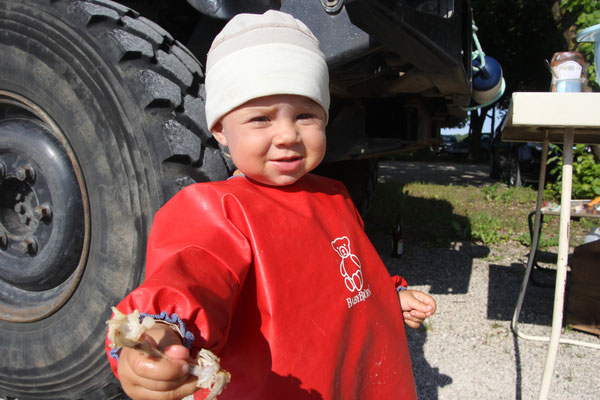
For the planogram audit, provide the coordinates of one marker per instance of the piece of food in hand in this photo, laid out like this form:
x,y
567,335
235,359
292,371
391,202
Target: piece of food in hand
x,y
127,331
210,374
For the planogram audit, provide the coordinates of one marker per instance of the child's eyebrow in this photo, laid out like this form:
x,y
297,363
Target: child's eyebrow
x,y
304,104
306,101
259,109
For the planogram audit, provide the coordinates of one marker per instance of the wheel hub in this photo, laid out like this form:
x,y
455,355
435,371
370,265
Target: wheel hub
x,y
42,219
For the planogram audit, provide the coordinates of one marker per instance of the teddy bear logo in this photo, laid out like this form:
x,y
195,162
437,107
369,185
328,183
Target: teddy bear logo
x,y
350,267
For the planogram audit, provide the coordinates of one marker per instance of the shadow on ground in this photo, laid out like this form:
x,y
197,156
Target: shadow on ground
x,y
428,379
503,293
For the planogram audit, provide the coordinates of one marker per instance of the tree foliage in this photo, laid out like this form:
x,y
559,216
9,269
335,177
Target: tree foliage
x,y
582,14
586,12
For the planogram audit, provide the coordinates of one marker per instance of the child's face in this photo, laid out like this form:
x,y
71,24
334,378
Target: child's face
x,y
274,140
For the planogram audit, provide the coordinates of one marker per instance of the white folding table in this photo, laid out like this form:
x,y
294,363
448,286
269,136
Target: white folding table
x,y
550,117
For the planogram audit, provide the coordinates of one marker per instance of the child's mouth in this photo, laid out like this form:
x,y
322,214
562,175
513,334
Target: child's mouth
x,y
289,159
287,164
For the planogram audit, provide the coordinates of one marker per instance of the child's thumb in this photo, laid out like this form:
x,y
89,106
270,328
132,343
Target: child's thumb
x,y
177,351
425,303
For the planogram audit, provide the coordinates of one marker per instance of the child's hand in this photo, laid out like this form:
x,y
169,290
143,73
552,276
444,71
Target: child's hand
x,y
152,378
416,306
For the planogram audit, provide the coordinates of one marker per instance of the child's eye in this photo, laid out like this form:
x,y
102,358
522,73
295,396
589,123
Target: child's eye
x,y
305,116
259,119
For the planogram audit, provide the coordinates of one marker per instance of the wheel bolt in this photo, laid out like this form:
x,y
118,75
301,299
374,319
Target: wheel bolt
x,y
25,173
332,6
20,208
42,212
3,240
28,246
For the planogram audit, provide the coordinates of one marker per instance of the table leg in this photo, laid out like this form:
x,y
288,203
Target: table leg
x,y
536,236
561,265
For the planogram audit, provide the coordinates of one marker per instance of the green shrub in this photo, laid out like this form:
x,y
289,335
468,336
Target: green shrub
x,y
586,14
586,173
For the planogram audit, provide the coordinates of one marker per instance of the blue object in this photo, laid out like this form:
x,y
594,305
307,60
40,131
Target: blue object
x,y
487,76
487,79
568,85
592,34
487,83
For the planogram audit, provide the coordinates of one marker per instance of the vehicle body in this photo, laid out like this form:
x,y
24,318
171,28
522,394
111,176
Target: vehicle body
x,y
102,121
452,146
486,146
516,163
460,148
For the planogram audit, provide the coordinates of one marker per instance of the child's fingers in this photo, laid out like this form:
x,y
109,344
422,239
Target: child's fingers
x,y
176,385
426,302
416,306
411,322
420,315
142,392
422,308
410,300
424,298
149,379
136,364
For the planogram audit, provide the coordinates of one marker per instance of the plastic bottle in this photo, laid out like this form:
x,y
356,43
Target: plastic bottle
x,y
567,67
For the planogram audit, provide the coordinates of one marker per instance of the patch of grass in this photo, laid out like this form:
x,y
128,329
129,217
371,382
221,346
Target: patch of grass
x,y
441,214
489,229
508,195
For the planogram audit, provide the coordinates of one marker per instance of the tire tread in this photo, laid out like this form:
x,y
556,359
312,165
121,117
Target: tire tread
x,y
166,82
164,76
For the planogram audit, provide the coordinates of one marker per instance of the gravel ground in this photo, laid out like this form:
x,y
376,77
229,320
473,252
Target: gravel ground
x,y
467,349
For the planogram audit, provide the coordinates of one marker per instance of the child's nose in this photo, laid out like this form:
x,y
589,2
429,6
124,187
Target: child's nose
x,y
287,133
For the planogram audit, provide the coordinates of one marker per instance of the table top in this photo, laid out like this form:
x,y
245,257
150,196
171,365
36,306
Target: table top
x,y
532,113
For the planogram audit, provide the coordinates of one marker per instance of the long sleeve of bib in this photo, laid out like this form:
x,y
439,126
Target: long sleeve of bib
x,y
196,265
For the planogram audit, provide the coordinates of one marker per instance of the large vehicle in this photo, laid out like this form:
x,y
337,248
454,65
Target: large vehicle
x,y
102,121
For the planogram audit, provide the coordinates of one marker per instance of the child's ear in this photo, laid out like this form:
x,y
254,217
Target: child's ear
x,y
218,133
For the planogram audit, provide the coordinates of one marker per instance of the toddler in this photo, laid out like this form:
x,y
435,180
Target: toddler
x,y
271,269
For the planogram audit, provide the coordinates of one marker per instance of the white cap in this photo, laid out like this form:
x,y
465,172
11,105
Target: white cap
x,y
258,55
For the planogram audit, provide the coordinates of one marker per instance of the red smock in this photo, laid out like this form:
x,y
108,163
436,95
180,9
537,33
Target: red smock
x,y
283,284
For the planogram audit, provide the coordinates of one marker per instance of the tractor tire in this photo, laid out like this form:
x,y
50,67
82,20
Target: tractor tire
x,y
101,121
